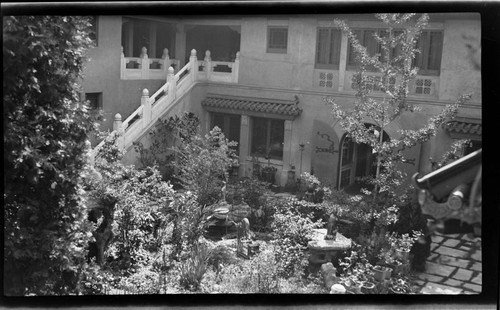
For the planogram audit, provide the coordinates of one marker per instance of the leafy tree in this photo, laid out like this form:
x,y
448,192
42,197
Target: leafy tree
x,y
394,68
45,130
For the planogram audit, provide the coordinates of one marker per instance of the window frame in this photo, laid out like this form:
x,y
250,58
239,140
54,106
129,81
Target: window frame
x,y
226,118
335,65
353,66
276,50
99,100
423,47
422,59
268,138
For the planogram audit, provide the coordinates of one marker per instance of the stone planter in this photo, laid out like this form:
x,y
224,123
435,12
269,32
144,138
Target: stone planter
x,y
368,288
381,273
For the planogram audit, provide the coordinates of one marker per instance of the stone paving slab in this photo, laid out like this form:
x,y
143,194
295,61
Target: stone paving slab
x,y
452,268
462,274
434,288
450,251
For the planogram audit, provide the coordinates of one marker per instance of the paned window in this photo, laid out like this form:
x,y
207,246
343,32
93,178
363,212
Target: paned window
x,y
229,125
428,60
95,100
277,39
268,137
328,48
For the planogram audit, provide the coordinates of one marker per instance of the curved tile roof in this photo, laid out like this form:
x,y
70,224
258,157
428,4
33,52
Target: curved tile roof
x,y
273,106
464,127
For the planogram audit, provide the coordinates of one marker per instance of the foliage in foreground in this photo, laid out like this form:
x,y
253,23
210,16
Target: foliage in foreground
x,y
45,130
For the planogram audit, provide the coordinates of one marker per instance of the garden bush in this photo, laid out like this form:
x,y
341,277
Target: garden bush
x,y
193,268
292,233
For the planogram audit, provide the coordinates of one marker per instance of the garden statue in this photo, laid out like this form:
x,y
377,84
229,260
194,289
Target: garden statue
x,y
331,232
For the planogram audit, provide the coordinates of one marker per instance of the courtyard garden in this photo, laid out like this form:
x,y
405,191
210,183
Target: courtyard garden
x,y
80,222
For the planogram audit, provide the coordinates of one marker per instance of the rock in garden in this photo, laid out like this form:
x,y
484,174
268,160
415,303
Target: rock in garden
x,y
328,272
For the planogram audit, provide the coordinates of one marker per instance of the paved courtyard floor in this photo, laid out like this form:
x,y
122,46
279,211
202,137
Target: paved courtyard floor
x,y
454,266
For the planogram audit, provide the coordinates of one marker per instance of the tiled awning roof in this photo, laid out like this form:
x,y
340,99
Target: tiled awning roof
x,y
253,105
464,127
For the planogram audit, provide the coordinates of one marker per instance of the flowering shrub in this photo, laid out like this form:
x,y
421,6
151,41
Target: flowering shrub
x,y
355,267
293,231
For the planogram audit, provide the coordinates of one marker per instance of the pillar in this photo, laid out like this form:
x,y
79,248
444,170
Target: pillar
x,y
146,108
180,45
207,64
144,63
244,145
193,60
287,152
343,60
152,40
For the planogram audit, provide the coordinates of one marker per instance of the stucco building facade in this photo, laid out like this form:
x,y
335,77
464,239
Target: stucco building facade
x,y
263,79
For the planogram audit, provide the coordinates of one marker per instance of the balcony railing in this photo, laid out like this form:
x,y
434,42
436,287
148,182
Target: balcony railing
x,y
145,68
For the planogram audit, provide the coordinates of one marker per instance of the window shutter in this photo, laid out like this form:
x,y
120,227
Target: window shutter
x,y
435,49
322,48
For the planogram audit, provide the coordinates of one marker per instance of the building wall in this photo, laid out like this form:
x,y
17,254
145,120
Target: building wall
x,y
285,76
102,74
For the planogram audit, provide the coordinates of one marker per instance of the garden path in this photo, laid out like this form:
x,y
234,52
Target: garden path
x,y
454,266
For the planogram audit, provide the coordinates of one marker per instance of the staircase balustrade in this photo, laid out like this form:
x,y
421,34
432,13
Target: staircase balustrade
x,y
178,84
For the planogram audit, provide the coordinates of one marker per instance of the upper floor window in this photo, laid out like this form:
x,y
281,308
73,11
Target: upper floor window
x,y
430,45
277,39
328,48
428,60
367,39
268,136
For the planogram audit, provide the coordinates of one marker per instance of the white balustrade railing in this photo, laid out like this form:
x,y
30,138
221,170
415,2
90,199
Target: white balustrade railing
x,y
152,107
145,68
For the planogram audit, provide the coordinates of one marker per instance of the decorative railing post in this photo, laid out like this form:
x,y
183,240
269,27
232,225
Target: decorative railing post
x,y
193,60
118,128
166,61
236,68
172,84
90,153
123,64
146,108
207,64
144,63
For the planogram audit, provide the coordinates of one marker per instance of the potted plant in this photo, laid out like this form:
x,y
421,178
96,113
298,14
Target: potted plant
x,y
380,273
399,285
269,174
403,244
368,287
388,258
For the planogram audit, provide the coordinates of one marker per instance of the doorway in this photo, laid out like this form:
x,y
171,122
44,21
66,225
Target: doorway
x,y
357,160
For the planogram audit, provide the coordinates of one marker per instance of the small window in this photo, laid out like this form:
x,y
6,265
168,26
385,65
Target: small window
x,y
94,100
93,34
277,39
328,48
268,138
